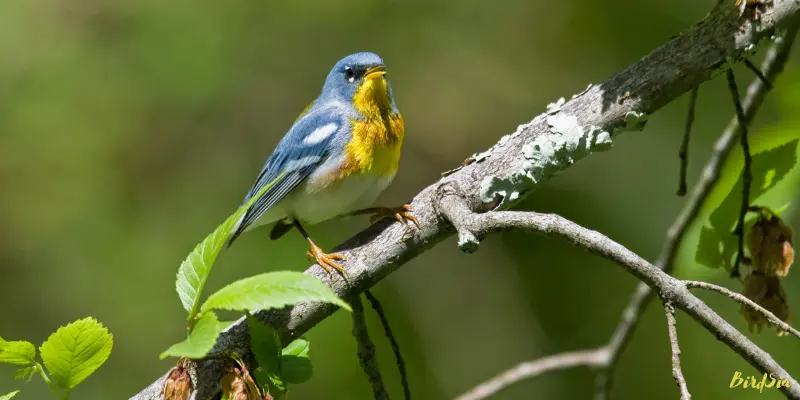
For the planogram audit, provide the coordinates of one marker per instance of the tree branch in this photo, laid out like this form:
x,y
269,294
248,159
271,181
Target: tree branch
x,y
744,300
531,369
677,373
772,66
511,169
671,290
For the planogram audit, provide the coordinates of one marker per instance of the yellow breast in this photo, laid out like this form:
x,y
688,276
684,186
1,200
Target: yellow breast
x,y
378,137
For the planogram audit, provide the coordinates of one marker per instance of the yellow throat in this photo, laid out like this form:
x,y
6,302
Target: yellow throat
x,y
378,137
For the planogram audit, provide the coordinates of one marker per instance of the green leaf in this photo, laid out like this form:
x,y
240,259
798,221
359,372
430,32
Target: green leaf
x,y
717,243
200,341
272,290
295,364
8,396
298,348
75,351
270,383
266,345
25,373
17,352
194,270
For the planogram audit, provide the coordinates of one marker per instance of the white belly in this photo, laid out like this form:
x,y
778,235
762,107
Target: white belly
x,y
352,193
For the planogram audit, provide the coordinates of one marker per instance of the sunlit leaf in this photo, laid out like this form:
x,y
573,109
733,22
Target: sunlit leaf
x,y
201,340
17,352
717,243
75,351
8,396
194,270
272,290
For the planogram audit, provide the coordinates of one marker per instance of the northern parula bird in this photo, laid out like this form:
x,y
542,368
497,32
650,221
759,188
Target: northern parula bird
x,y
338,156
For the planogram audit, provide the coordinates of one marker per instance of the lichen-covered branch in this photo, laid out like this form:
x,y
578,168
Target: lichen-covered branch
x,y
520,161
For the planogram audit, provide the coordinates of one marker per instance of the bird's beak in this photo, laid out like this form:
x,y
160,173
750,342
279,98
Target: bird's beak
x,y
375,72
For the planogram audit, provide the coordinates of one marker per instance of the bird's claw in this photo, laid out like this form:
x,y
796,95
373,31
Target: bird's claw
x,y
326,261
402,214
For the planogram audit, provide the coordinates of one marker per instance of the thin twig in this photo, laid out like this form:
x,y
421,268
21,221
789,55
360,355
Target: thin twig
x,y
684,150
470,224
747,174
677,373
758,73
366,351
744,300
530,369
773,64
401,365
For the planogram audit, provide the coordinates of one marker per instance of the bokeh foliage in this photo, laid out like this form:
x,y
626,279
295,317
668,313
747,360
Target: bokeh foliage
x,y
129,130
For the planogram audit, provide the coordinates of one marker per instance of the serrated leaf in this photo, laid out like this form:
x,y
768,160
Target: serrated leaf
x,y
25,373
200,341
272,290
8,396
717,243
265,344
18,352
75,351
295,363
194,270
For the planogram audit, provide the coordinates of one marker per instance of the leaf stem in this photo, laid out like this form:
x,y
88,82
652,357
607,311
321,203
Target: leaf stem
x,y
49,383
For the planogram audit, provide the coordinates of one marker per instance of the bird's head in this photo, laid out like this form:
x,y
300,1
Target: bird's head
x,y
360,78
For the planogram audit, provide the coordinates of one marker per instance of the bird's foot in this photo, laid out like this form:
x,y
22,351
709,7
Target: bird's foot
x,y
326,261
402,214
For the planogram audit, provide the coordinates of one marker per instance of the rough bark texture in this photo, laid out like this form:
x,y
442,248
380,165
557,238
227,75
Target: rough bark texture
x,y
513,167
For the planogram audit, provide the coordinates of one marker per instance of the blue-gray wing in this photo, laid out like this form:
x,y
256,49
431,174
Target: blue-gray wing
x,y
297,155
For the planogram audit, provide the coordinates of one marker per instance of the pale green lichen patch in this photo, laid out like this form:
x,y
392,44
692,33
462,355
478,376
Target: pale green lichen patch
x,y
567,142
634,121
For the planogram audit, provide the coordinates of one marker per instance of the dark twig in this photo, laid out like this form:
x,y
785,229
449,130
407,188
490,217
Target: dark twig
x,y
401,365
677,373
744,300
366,351
758,73
747,174
683,152
531,369
772,66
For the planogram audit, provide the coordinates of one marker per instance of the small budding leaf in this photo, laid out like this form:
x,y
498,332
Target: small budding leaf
x,y
75,351
17,352
295,363
194,270
272,290
8,396
200,341
25,373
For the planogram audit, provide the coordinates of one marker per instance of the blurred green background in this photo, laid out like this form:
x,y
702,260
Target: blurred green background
x,y
129,130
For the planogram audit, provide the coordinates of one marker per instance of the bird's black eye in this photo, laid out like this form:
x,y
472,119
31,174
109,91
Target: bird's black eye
x,y
349,74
